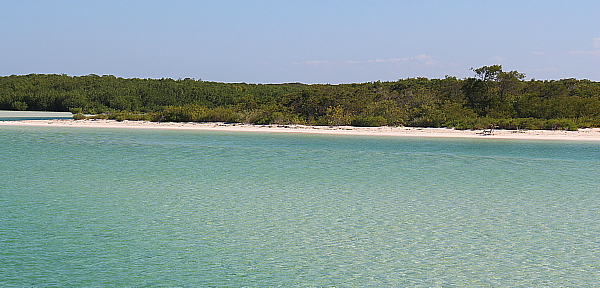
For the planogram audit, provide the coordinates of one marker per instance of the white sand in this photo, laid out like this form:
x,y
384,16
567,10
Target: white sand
x,y
592,134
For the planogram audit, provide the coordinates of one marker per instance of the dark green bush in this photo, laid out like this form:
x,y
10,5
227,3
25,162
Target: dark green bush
x,y
560,124
98,116
79,116
368,121
19,106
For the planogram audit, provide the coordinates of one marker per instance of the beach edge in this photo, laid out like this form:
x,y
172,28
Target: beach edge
x,y
588,134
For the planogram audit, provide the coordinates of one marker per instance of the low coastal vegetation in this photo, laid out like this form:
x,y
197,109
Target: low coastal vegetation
x,y
492,96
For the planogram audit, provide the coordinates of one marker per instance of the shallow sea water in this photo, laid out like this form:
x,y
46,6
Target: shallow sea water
x,y
33,115
126,207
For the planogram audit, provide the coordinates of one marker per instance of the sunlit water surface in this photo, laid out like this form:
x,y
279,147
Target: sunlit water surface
x,y
118,207
33,115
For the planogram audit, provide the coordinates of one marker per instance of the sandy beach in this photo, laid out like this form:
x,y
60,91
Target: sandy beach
x,y
591,134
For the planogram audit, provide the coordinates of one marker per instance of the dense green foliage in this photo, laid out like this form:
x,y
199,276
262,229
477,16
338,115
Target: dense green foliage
x,y
492,96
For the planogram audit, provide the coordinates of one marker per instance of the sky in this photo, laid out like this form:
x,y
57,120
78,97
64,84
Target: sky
x,y
308,41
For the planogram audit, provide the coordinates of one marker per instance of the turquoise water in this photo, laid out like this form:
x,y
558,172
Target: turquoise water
x,y
33,115
117,207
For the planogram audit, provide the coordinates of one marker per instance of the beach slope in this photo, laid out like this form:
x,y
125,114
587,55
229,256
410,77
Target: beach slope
x,y
590,134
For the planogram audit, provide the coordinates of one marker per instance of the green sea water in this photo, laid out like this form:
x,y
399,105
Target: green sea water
x,y
119,207
33,115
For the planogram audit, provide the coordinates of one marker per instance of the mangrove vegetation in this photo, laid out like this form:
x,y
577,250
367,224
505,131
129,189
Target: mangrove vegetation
x,y
491,96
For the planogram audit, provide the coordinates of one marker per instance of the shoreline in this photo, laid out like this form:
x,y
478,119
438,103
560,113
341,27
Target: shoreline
x,y
589,134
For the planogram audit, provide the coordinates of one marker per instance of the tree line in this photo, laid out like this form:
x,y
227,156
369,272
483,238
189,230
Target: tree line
x,y
492,96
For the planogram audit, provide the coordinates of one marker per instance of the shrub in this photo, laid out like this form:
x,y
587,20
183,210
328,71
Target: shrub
x,y
560,124
98,116
368,121
530,123
587,122
79,116
18,105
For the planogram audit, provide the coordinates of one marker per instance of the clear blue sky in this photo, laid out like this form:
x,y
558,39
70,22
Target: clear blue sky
x,y
268,41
